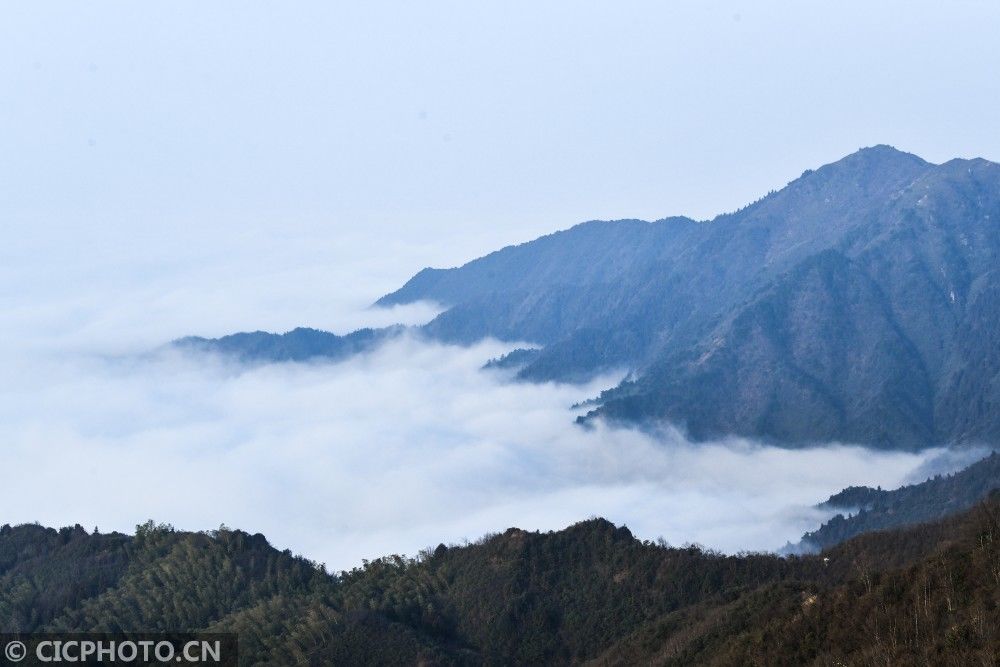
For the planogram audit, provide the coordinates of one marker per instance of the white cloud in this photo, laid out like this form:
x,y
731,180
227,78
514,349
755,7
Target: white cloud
x,y
392,451
388,452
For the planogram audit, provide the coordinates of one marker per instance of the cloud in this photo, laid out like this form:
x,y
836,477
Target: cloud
x,y
391,451
402,448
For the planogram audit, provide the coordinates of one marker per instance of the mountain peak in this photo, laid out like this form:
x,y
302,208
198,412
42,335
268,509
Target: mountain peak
x,y
876,169
880,156
881,149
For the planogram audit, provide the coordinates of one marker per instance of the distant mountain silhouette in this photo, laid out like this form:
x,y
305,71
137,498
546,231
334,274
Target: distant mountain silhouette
x,y
300,344
860,303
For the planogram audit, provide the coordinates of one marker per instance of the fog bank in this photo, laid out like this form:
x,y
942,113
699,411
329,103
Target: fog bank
x,y
391,451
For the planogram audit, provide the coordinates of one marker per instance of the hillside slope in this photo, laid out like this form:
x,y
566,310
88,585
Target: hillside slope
x,y
860,303
871,509
589,594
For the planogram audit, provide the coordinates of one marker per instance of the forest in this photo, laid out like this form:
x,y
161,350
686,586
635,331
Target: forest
x,y
589,594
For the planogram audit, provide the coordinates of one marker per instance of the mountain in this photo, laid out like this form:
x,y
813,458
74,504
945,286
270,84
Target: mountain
x,y
871,509
300,344
591,593
861,303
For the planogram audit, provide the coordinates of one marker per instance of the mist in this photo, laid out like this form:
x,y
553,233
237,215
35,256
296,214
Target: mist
x,y
405,447
388,452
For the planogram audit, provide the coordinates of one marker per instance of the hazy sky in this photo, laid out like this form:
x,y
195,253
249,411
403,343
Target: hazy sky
x,y
270,141
466,124
173,168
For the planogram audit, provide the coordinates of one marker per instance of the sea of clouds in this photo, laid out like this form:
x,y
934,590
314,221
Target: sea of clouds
x,y
388,452
391,451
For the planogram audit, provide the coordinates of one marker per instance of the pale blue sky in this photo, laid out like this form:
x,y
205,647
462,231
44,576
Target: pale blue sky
x,y
416,133
532,114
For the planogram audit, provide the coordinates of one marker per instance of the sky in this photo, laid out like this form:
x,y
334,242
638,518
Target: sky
x,y
461,125
200,168
399,135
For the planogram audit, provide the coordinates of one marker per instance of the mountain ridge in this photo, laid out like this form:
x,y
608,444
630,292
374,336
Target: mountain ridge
x,y
860,303
869,510
827,310
590,593
299,344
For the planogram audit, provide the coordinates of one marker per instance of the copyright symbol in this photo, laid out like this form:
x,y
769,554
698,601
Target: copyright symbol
x,y
15,651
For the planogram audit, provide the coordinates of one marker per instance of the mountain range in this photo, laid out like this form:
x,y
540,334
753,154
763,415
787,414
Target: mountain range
x,y
590,594
860,303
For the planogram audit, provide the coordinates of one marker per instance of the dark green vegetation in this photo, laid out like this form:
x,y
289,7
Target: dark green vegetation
x,y
876,509
591,593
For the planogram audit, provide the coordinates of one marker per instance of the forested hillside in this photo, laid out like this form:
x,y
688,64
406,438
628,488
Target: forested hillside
x,y
592,593
871,509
